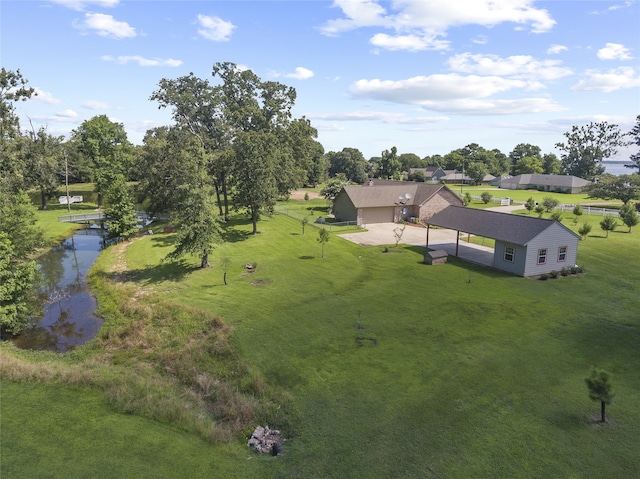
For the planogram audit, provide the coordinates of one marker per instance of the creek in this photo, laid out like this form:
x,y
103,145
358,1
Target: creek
x,y
68,318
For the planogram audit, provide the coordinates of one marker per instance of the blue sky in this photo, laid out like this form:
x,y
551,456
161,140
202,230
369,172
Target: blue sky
x,y
426,76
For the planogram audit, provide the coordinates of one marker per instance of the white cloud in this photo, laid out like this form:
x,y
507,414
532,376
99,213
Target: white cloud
x,y
612,80
81,4
480,40
142,61
412,43
384,117
439,87
555,49
614,51
45,97
301,73
494,107
96,105
420,25
215,28
517,66
66,115
106,26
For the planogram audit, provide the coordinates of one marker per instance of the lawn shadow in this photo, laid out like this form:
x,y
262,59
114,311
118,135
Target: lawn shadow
x,y
232,235
162,240
173,271
306,257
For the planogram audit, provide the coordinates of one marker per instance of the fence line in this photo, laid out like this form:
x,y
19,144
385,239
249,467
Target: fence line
x,y
313,220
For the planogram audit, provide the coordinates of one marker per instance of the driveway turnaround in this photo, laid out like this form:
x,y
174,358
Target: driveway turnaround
x,y
381,234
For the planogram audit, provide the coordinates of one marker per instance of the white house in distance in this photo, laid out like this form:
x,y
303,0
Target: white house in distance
x,y
524,245
555,183
392,201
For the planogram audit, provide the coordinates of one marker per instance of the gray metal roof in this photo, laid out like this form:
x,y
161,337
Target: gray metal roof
x,y
516,229
389,194
566,181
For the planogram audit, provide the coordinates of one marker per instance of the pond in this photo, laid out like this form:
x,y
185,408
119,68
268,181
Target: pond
x,y
68,318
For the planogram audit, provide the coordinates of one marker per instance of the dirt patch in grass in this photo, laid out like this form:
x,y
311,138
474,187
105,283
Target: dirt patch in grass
x,y
260,282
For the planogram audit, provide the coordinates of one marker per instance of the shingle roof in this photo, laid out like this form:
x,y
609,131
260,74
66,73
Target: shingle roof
x,y
388,195
547,180
516,229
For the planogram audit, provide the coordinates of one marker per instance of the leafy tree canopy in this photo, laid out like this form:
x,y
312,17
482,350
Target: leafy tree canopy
x,y
586,146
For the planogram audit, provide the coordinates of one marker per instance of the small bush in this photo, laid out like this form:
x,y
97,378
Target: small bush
x,y
554,273
543,277
557,216
565,271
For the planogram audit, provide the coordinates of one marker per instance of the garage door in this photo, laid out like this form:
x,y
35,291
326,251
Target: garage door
x,y
377,215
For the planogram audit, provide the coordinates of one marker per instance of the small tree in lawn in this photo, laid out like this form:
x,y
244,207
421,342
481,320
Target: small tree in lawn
x,y
530,204
540,210
577,210
557,216
467,198
225,262
600,389
304,221
485,197
323,237
398,232
628,215
608,223
584,230
549,203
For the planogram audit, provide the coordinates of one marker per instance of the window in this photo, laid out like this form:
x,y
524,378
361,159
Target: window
x,y
509,253
562,253
542,256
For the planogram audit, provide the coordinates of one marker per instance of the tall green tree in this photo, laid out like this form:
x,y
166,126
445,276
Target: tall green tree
x,y
390,166
105,144
615,187
586,146
13,88
43,154
200,109
528,165
350,162
19,238
169,158
600,389
476,171
551,164
256,189
634,141
198,226
120,213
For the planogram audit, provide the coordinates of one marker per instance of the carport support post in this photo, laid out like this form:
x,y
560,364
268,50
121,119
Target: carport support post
x,y
457,241
428,227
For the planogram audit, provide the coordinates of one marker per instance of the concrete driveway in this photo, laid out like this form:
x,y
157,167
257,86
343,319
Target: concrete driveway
x,y
381,234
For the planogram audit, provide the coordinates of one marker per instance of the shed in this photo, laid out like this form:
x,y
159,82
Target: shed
x,y
392,202
438,256
524,246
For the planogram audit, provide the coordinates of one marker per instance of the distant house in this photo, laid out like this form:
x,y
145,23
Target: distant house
x,y
524,245
551,183
455,177
431,173
392,201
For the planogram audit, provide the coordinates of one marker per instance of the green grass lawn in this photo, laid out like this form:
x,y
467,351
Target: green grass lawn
x,y
386,367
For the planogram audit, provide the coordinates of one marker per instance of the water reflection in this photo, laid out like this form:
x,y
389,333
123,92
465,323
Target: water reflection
x,y
67,320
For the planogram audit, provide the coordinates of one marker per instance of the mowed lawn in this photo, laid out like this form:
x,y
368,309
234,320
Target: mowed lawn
x,y
399,369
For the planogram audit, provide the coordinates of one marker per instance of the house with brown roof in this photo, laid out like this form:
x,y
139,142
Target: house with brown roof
x,y
392,201
524,245
556,183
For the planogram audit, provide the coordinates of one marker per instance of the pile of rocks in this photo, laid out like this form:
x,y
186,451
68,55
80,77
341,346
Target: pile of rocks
x,y
265,440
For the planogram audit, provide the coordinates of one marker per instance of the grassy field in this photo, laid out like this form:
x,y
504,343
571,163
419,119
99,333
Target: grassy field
x,y
372,364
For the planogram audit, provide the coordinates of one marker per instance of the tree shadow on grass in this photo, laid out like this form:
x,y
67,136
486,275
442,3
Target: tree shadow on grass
x,y
162,240
172,271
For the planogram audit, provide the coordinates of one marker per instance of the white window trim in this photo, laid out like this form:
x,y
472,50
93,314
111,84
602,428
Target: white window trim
x,y
546,255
